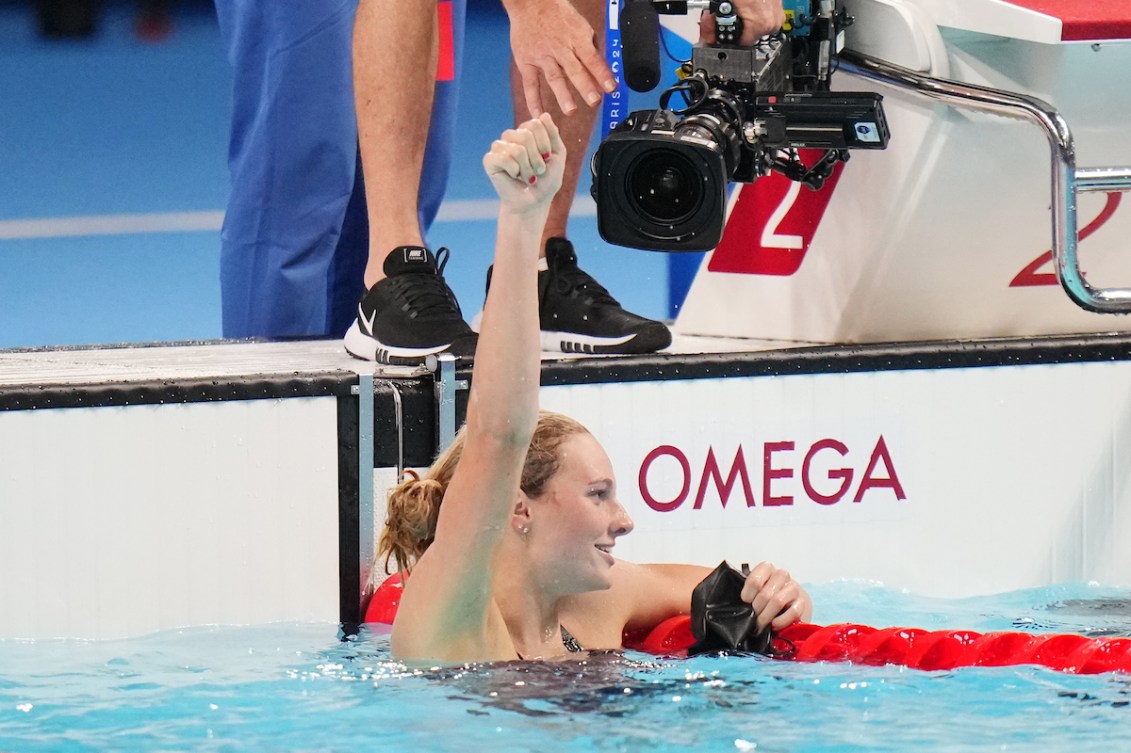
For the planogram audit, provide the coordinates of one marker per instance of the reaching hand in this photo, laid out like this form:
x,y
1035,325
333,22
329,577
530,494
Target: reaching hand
x,y
759,18
526,163
550,38
776,597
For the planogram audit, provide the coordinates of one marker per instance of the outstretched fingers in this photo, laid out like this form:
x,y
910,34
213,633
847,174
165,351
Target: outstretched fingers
x,y
584,72
587,71
531,89
552,40
559,84
549,129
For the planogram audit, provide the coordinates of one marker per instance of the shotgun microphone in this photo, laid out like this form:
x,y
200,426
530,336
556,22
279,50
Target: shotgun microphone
x,y
640,42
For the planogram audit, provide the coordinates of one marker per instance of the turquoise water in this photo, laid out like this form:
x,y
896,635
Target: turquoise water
x,y
297,687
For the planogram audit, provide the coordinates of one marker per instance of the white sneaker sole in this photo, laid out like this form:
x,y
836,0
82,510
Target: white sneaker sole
x,y
568,342
367,348
571,342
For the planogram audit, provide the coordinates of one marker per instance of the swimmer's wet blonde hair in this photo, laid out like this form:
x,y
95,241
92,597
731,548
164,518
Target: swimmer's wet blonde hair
x,y
414,504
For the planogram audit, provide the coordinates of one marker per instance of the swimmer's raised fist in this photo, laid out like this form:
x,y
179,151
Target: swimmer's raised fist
x,y
525,164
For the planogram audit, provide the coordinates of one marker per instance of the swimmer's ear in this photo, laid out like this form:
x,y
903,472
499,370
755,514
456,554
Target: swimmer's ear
x,y
520,515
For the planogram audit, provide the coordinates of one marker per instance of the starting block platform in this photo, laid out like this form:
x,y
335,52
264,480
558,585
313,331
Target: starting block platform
x,y
1078,22
993,199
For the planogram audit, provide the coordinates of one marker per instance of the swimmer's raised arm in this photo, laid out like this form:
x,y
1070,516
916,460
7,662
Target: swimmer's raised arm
x,y
446,611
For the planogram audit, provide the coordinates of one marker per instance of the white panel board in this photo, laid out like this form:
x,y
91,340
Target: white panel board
x,y
118,521
1008,477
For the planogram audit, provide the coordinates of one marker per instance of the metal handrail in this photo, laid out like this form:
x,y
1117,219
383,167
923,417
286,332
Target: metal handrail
x,y
1067,179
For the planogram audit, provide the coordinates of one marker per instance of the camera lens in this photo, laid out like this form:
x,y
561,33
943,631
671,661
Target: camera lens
x,y
665,186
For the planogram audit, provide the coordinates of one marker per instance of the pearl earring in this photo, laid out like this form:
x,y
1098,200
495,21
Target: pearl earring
x,y
525,530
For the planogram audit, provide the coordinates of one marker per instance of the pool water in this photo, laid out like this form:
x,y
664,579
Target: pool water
x,y
298,687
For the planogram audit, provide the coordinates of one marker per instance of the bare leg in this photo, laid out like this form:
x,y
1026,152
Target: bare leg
x,y
395,49
575,129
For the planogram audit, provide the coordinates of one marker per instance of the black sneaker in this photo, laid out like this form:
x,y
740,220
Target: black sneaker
x,y
411,314
577,314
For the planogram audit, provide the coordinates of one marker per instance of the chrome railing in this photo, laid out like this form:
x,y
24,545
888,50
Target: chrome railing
x,y
1067,179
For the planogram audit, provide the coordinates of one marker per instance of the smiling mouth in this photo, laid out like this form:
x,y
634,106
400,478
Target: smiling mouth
x,y
606,549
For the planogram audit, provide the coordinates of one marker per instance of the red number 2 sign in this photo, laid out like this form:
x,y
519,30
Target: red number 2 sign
x,y
772,225
1030,277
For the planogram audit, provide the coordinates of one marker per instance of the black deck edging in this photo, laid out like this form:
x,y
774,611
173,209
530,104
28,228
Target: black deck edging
x,y
418,404
349,516
158,391
419,396
840,359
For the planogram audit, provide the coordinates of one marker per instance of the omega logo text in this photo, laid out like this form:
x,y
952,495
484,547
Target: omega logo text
x,y
827,472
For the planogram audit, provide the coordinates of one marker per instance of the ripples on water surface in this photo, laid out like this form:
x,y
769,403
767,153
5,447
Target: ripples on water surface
x,y
296,687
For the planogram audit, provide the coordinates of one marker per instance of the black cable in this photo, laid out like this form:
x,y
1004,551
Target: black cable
x,y
687,89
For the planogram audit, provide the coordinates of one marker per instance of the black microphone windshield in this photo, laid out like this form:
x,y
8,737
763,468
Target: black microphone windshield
x,y
640,39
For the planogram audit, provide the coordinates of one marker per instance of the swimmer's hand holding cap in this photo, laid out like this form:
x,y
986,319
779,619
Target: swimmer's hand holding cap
x,y
721,621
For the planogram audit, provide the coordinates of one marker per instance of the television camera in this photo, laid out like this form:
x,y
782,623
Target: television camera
x,y
660,177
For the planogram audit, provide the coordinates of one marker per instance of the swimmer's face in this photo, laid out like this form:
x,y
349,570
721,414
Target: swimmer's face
x,y
579,518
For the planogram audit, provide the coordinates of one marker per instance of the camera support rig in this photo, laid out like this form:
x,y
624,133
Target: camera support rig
x,y
784,79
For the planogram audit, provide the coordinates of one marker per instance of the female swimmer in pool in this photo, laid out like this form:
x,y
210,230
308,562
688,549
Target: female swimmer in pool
x,y
517,561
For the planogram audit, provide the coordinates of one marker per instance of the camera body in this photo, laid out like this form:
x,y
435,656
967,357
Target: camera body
x,y
660,178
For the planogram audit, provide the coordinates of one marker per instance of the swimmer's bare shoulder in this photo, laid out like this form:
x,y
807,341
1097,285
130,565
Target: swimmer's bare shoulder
x,y
447,639
447,613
